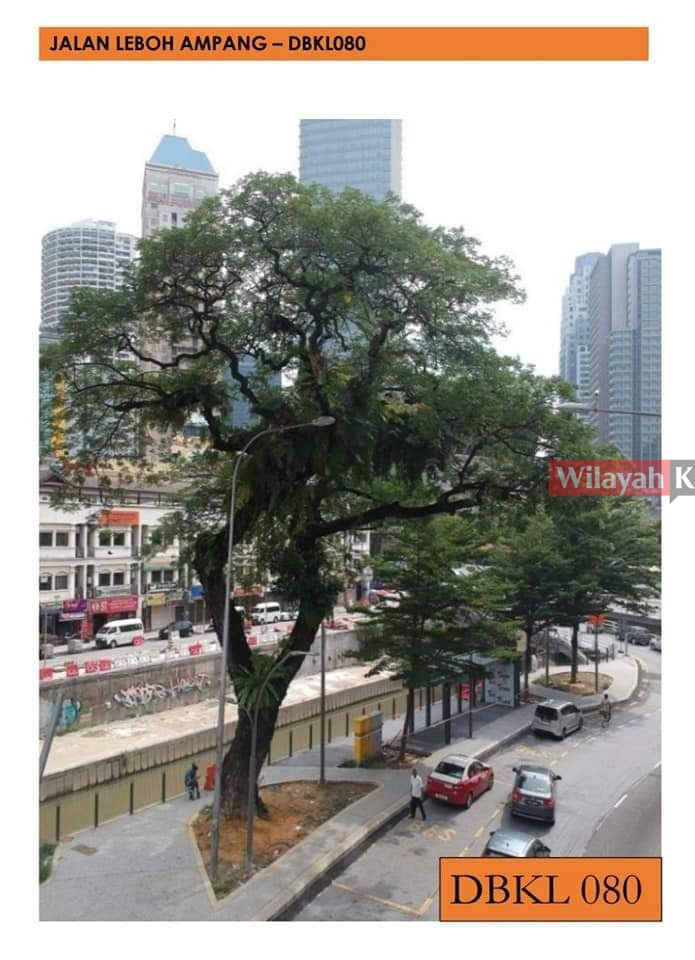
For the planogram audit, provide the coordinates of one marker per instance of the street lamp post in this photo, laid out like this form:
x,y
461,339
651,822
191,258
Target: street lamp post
x,y
322,749
229,583
569,406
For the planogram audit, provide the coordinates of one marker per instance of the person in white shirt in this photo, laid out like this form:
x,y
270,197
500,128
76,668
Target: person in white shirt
x,y
416,794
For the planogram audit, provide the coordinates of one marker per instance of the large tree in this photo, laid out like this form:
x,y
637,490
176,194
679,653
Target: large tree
x,y
423,637
302,305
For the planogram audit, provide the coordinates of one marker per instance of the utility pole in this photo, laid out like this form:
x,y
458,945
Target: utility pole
x,y
322,766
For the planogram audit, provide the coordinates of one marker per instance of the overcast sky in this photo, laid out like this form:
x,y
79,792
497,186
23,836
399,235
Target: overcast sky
x,y
541,162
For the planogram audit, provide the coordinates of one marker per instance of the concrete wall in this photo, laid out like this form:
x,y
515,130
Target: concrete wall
x,y
94,693
92,793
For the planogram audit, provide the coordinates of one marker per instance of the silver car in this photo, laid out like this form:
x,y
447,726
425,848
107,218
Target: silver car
x,y
533,794
557,717
509,843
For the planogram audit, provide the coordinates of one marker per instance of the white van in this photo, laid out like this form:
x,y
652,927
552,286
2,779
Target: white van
x,y
266,613
116,633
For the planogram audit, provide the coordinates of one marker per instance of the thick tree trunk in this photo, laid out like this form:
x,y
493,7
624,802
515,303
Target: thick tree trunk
x,y
210,560
575,650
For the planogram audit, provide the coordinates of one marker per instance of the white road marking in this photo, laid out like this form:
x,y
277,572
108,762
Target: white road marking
x,y
616,805
589,739
658,764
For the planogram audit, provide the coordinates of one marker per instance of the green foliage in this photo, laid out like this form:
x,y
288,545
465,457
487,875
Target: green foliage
x,y
432,565
46,851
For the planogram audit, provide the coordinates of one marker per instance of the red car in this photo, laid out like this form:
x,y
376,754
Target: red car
x,y
459,780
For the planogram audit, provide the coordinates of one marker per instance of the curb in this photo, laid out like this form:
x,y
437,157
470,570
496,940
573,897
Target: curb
x,y
321,868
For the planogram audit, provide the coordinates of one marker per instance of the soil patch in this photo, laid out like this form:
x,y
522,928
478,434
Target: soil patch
x,y
295,810
388,758
585,685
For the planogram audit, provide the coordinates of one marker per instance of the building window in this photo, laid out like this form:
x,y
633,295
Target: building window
x,y
62,539
45,583
104,538
156,576
46,539
174,220
168,576
61,581
104,580
118,539
118,579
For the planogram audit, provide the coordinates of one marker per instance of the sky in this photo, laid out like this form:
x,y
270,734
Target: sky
x,y
541,162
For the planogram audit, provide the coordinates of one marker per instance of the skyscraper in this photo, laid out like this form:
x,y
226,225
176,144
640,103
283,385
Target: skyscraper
x,y
574,331
363,154
624,307
177,180
89,253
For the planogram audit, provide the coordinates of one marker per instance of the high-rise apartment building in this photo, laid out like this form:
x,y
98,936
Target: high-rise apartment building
x,y
363,154
574,331
90,253
624,308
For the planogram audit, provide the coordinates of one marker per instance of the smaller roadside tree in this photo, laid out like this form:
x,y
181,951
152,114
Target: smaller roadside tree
x,y
610,546
423,638
528,575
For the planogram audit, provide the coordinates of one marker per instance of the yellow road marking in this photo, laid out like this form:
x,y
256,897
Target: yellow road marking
x,y
387,903
425,906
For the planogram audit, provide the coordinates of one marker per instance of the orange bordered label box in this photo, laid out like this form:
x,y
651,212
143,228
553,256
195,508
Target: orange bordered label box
x,y
556,888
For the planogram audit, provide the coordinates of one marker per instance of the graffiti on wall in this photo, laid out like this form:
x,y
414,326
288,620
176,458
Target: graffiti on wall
x,y
70,713
142,694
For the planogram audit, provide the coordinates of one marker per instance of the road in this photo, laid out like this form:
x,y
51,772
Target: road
x,y
608,801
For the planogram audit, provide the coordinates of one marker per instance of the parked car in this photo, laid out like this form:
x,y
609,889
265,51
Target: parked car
x,y
509,843
459,780
533,794
184,628
655,644
641,638
557,717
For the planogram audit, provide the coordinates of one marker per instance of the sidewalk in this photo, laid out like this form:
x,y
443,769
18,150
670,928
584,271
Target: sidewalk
x,y
146,867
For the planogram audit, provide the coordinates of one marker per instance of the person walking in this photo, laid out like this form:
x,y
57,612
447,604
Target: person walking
x,y
605,710
191,783
416,795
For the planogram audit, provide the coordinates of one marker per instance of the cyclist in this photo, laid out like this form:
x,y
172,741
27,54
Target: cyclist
x,y
605,710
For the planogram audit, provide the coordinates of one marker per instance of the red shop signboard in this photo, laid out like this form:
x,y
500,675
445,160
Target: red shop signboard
x,y
114,605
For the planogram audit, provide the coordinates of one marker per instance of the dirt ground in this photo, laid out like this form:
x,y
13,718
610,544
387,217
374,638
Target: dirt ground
x,y
388,759
585,685
295,810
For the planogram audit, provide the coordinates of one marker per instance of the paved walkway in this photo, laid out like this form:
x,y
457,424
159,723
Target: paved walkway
x,y
146,867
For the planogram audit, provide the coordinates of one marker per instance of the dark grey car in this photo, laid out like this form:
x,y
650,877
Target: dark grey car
x,y
509,843
533,795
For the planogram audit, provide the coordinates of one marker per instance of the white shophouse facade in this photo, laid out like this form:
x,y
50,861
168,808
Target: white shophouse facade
x,y
99,563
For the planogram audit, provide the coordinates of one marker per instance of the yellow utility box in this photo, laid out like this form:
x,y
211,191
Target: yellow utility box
x,y
367,731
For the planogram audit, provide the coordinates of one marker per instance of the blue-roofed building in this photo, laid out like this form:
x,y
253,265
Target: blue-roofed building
x,y
177,152
177,180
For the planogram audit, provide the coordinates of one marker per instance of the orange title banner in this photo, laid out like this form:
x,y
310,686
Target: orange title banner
x,y
553,888
343,43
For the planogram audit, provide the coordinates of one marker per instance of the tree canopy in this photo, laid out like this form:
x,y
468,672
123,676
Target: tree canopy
x,y
304,304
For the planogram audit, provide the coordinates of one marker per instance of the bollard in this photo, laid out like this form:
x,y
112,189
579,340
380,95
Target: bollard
x,y
347,724
96,809
290,744
330,723
311,736
131,804
164,786
57,823
393,708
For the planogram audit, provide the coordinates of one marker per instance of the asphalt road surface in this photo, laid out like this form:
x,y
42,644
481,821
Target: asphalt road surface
x,y
608,801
